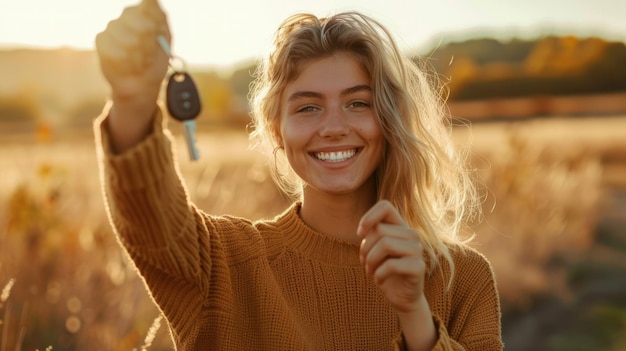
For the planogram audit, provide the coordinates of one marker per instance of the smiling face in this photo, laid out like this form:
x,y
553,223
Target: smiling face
x,y
328,128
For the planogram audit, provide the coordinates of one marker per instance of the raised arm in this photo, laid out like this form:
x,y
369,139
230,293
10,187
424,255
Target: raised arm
x,y
145,196
134,66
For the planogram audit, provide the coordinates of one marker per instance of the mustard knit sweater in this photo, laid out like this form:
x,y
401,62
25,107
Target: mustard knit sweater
x,y
227,283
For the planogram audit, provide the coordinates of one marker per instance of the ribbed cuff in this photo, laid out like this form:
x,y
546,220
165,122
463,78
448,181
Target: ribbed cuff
x,y
140,166
399,344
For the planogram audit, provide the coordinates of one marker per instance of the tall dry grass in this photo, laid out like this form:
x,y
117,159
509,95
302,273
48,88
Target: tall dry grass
x,y
540,211
74,288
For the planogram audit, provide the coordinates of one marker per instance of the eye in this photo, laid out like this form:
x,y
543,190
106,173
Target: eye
x,y
307,108
358,104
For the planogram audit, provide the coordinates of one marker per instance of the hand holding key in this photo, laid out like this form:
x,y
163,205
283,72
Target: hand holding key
x,y
134,65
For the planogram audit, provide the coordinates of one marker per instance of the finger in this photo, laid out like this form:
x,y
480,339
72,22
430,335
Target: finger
x,y
386,230
121,36
389,248
138,22
109,48
119,46
142,31
135,22
112,54
153,10
394,230
150,5
411,268
383,211
130,42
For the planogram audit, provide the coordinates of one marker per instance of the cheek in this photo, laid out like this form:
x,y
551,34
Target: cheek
x,y
291,136
373,132
298,131
377,138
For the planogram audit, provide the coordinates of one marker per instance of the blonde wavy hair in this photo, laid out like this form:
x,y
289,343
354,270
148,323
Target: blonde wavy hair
x,y
421,174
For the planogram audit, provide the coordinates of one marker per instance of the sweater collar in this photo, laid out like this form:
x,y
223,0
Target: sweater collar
x,y
301,238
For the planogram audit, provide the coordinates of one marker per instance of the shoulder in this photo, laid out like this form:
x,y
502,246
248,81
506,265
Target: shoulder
x,y
276,232
245,239
232,237
229,227
463,268
470,306
468,258
472,269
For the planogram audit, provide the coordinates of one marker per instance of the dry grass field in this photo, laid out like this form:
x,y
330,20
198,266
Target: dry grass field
x,y
553,227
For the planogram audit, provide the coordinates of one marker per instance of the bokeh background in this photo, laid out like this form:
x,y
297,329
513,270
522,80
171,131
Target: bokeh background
x,y
537,95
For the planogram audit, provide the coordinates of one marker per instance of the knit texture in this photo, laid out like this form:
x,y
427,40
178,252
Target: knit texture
x,y
227,283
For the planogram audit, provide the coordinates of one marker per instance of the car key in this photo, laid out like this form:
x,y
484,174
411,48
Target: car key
x,y
183,102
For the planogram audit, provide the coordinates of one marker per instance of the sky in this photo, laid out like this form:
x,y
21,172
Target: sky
x,y
227,32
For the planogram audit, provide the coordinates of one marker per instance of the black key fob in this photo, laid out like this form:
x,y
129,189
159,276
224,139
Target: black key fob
x,y
183,100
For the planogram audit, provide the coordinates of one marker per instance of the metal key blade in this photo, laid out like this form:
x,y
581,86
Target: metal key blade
x,y
164,45
190,138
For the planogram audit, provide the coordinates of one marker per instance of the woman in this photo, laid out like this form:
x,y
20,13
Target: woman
x,y
368,257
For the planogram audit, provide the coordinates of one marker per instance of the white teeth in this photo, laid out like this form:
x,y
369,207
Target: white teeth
x,y
335,156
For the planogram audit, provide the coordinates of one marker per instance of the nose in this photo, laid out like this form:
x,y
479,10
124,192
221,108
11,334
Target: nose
x,y
334,124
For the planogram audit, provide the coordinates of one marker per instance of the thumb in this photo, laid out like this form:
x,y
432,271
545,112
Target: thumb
x,y
146,4
153,9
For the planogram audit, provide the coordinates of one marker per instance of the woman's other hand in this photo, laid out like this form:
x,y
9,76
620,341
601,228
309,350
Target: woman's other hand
x,y
392,253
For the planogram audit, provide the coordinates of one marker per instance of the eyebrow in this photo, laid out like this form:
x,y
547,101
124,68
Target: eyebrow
x,y
312,94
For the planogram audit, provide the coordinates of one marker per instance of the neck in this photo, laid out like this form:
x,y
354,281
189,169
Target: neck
x,y
335,215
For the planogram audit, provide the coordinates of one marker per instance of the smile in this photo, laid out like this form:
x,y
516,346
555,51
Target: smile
x,y
338,156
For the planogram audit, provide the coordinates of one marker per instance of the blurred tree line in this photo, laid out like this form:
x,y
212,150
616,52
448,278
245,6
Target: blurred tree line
x,y
488,68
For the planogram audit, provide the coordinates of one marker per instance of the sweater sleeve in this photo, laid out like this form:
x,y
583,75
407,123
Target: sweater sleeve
x,y
472,321
149,207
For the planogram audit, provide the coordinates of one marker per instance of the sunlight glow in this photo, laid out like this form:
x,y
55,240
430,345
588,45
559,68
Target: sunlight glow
x,y
227,32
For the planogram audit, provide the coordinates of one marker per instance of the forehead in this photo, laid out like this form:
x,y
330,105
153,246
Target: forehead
x,y
328,75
